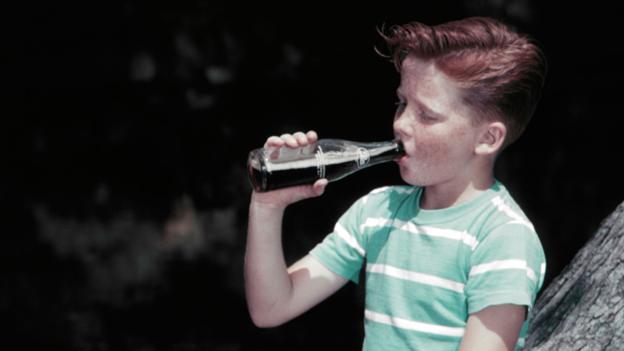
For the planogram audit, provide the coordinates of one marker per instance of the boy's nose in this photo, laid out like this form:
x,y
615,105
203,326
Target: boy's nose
x,y
400,126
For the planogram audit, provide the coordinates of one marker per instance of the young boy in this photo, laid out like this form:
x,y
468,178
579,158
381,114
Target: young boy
x,y
451,261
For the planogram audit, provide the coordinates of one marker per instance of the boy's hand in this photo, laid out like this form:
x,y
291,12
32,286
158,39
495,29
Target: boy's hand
x,y
280,199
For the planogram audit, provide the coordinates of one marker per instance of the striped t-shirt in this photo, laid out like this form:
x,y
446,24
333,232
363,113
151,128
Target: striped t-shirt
x,y
427,270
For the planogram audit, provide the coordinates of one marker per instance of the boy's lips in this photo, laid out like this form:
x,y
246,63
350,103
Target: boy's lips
x,y
401,159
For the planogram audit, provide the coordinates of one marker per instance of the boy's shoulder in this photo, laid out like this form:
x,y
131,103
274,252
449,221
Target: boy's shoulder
x,y
504,216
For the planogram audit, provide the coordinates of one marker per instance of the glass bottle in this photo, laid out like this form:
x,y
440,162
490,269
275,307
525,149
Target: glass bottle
x,y
333,159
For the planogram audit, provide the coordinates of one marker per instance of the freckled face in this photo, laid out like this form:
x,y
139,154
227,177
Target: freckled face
x,y
435,126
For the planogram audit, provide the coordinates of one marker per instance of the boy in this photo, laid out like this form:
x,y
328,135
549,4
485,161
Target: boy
x,y
450,260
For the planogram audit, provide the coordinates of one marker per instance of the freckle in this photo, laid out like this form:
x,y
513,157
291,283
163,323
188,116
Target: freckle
x,y
461,131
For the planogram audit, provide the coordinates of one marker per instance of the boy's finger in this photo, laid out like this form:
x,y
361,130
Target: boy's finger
x,y
274,141
290,140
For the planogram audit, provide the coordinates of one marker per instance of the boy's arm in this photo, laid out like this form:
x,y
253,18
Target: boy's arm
x,y
494,328
274,293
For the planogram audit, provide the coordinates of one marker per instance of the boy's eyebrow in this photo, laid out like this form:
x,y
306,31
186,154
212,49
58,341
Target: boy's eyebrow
x,y
421,104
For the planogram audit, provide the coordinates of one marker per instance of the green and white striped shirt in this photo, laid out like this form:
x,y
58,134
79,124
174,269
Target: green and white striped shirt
x,y
427,270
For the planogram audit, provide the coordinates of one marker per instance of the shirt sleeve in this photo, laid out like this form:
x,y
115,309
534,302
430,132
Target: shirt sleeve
x,y
508,267
343,250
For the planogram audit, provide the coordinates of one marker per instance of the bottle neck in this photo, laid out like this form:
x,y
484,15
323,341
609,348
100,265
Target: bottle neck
x,y
385,151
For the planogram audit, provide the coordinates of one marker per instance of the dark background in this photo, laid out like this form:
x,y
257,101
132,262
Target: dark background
x,y
127,128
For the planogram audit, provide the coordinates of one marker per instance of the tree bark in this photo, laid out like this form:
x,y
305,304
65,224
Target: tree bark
x,y
583,308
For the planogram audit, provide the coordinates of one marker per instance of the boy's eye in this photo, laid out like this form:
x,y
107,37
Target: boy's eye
x,y
427,116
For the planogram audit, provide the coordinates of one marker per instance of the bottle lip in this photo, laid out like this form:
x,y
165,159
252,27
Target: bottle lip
x,y
399,146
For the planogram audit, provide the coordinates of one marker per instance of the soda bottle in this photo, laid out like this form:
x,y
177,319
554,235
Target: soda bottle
x,y
333,159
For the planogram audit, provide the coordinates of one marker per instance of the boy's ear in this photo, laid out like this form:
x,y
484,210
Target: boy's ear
x,y
492,138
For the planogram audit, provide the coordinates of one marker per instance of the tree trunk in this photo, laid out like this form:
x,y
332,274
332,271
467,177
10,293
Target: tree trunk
x,y
583,308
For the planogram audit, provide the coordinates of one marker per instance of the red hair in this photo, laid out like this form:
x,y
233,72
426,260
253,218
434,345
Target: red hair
x,y
500,71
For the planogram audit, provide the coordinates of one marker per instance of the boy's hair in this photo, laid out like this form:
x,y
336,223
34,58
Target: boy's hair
x,y
500,71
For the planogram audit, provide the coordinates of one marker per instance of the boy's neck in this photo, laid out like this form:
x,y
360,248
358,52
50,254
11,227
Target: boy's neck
x,y
447,195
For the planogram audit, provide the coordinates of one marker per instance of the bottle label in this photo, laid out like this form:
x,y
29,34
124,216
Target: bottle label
x,y
320,163
363,157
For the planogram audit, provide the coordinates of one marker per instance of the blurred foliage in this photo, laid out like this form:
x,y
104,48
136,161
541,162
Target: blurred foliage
x,y
125,189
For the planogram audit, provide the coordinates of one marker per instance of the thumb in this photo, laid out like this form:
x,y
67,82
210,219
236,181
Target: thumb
x,y
310,191
318,188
